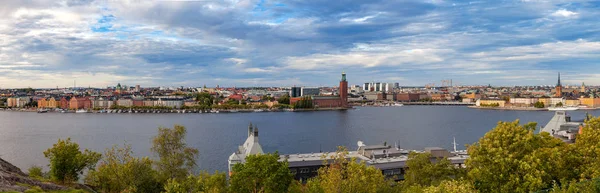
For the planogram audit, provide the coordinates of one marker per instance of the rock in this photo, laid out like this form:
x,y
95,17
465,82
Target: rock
x,y
11,176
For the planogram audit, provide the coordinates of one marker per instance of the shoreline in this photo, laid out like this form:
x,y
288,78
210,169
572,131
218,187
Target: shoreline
x,y
523,108
179,111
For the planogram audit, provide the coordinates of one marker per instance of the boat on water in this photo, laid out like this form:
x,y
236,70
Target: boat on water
x,y
81,111
234,111
259,110
42,111
397,105
563,108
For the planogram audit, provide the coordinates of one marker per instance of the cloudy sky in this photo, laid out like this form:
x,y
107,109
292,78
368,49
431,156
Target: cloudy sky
x,y
50,43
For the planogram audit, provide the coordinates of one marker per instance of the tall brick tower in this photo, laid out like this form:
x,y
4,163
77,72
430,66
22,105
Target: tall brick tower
x,y
344,90
558,88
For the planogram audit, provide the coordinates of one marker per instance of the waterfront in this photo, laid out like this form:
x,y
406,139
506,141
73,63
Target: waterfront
x,y
24,136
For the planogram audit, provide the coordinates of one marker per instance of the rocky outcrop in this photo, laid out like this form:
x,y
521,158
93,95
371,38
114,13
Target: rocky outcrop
x,y
13,179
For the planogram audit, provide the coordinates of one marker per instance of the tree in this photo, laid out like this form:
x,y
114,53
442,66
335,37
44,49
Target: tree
x,y
559,104
452,186
539,104
421,171
216,183
511,158
176,159
345,175
588,146
285,99
120,171
36,172
67,162
261,173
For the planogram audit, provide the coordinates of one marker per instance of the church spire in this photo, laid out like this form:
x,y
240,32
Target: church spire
x,y
558,84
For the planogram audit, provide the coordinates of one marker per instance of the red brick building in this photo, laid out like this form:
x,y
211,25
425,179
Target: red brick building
x,y
407,97
64,103
344,91
80,103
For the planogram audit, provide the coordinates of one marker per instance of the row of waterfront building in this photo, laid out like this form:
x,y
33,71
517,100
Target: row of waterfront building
x,y
67,102
591,102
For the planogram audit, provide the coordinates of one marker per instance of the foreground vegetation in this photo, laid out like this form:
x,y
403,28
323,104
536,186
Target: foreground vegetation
x,y
509,158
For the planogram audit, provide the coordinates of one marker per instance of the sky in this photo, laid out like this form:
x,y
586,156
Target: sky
x,y
99,43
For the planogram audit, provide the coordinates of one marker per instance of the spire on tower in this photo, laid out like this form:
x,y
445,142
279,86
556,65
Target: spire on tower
x,y
558,84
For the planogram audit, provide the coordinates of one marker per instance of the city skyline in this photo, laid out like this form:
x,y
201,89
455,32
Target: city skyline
x,y
49,44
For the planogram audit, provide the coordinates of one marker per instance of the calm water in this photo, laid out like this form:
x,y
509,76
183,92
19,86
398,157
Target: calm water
x,y
24,136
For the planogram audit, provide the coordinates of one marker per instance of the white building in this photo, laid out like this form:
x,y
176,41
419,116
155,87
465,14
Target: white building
x,y
310,91
250,147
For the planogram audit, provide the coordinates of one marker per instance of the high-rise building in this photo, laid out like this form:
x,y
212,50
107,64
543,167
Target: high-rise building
x,y
310,91
344,90
558,88
295,92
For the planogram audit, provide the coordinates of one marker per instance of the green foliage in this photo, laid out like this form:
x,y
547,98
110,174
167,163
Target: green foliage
x,y
67,162
511,158
36,172
205,99
452,186
425,173
304,103
216,183
345,175
285,99
120,171
539,104
176,159
587,186
261,173
490,105
559,104
588,145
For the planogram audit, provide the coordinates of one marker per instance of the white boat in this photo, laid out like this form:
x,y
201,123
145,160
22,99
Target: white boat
x,y
81,111
397,105
563,108
233,111
259,110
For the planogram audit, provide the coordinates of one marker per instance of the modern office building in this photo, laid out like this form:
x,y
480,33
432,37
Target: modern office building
x,y
295,92
310,91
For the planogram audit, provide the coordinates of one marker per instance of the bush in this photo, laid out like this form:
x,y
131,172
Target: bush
x,y
36,172
119,171
67,162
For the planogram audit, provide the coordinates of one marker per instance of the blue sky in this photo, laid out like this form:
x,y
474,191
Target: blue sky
x,y
48,43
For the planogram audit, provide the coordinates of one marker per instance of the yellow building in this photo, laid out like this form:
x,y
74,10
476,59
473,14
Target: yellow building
x,y
572,102
590,102
491,102
42,103
52,103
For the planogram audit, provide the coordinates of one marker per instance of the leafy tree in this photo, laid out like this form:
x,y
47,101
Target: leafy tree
x,y
67,162
176,159
36,172
120,171
216,183
559,104
588,145
421,171
285,99
587,186
452,186
345,175
539,104
261,173
511,158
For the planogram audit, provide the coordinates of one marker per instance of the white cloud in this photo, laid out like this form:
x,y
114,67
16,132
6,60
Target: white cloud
x,y
564,13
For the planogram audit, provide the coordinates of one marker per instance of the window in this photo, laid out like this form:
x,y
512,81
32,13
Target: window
x,y
304,170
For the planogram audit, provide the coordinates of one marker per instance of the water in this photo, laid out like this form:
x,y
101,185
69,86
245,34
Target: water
x,y
24,136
